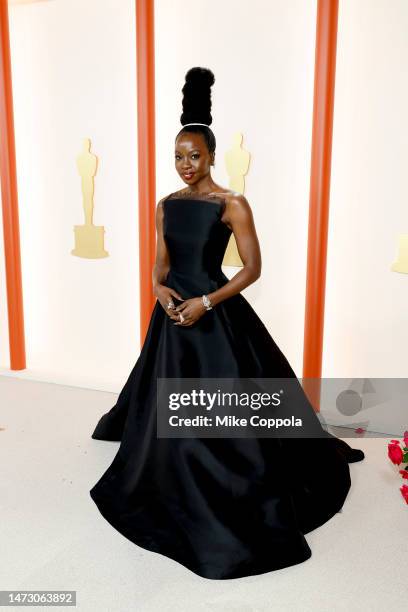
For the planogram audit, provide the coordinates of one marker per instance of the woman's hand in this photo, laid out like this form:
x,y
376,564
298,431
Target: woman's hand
x,y
165,295
192,310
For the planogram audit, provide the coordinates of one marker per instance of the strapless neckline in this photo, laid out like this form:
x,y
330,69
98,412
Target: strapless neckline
x,y
196,196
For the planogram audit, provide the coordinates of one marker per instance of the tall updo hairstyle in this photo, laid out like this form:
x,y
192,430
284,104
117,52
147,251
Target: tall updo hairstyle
x,y
197,104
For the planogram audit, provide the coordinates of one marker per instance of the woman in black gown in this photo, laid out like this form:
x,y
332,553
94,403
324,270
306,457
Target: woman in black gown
x,y
229,507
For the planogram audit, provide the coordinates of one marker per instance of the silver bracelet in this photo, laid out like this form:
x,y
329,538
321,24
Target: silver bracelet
x,y
207,302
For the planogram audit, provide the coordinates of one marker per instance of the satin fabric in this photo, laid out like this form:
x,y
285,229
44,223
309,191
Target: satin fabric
x,y
223,508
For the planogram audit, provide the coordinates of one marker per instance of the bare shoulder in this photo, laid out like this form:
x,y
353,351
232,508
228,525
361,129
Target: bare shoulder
x,y
160,202
236,199
237,204
160,209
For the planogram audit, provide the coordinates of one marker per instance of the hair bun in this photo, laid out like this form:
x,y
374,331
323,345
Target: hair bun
x,y
197,76
197,96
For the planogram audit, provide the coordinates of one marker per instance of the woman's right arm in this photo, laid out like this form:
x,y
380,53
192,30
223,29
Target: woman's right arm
x,y
161,267
162,263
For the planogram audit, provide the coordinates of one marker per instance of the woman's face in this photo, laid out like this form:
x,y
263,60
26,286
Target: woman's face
x,y
192,159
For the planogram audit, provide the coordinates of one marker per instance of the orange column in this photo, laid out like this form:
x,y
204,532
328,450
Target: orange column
x,y
324,82
146,156
10,201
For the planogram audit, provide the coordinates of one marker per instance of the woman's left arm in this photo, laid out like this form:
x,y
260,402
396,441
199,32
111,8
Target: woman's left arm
x,y
238,214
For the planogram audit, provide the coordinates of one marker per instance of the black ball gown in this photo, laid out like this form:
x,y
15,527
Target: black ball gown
x,y
223,508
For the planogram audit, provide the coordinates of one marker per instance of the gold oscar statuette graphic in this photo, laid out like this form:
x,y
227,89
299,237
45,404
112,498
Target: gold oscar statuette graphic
x,y
401,265
89,238
237,164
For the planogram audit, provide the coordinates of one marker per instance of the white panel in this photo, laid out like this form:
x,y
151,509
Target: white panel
x,y
366,331
262,55
74,77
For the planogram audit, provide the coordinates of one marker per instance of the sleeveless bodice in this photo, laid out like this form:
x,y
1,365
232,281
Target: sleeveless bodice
x,y
196,240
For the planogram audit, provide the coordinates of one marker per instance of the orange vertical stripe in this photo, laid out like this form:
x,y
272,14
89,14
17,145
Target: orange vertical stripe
x,y
324,83
8,174
146,156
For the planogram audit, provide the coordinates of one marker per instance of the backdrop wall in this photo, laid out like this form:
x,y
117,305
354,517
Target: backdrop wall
x,y
74,77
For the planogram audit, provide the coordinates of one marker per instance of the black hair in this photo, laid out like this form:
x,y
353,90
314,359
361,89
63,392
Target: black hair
x,y
197,104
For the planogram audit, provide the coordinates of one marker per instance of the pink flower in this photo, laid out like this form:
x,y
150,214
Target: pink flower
x,y
404,473
395,452
406,438
359,430
404,492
